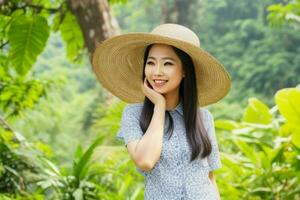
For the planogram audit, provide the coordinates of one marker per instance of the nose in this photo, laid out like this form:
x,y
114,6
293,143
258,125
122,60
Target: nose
x,y
159,69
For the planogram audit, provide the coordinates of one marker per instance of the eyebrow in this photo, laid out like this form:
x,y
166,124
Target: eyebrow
x,y
165,58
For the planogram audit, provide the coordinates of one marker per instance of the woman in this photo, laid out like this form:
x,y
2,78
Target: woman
x,y
166,77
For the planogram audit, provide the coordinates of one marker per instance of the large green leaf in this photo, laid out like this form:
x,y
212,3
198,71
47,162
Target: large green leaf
x,y
248,151
296,139
288,102
226,124
232,163
71,34
257,112
80,169
27,38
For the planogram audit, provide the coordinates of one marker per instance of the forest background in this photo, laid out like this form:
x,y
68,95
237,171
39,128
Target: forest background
x,y
58,125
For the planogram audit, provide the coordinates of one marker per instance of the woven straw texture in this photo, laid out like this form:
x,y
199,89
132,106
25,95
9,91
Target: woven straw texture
x,y
118,65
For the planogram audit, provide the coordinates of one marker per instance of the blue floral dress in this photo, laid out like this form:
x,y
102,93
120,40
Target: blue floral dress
x,y
174,176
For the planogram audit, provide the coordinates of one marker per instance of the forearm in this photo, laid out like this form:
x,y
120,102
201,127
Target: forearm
x,y
213,180
217,190
150,146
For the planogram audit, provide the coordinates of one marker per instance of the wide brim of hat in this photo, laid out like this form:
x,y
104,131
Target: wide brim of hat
x,y
118,65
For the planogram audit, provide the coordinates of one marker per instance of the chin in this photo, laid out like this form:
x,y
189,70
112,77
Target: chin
x,y
160,91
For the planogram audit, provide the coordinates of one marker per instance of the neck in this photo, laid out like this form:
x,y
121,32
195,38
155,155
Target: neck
x,y
172,100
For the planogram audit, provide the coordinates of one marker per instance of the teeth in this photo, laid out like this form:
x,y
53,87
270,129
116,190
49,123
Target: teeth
x,y
159,81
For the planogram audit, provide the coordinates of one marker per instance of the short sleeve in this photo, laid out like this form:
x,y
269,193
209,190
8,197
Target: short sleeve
x,y
130,127
213,159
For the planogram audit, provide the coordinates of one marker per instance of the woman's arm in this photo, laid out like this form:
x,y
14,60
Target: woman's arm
x,y
146,151
213,180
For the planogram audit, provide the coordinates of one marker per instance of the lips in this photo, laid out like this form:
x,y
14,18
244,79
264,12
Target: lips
x,y
159,82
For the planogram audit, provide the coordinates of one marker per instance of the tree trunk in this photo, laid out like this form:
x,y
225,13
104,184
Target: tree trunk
x,y
95,21
168,12
178,11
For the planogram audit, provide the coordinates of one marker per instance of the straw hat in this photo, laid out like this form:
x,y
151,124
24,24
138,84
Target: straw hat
x,y
118,63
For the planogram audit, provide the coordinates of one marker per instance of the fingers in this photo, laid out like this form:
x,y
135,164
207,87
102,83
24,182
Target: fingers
x,y
144,85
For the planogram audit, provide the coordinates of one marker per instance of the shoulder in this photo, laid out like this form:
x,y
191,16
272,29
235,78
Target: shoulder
x,y
206,114
132,109
206,117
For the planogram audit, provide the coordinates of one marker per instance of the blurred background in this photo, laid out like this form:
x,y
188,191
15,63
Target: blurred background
x,y
58,125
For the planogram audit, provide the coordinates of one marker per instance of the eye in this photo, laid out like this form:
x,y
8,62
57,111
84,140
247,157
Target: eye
x,y
150,63
168,63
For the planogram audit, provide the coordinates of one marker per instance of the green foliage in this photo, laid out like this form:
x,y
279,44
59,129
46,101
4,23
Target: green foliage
x,y
19,169
132,18
12,98
279,13
27,38
76,185
108,122
72,36
258,167
26,173
288,105
256,55
25,29
257,112
117,1
119,178
58,118
80,167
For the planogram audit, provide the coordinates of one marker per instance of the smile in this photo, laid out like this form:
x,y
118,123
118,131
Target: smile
x,y
159,83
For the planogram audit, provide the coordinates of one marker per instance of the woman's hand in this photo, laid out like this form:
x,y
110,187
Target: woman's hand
x,y
155,97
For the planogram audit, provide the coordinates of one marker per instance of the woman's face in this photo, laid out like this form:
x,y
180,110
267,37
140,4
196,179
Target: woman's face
x,y
163,69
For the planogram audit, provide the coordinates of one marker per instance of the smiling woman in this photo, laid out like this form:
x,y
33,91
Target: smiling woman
x,y
164,72
169,137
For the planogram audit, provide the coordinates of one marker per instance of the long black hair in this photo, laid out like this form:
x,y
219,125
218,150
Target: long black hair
x,y
196,133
